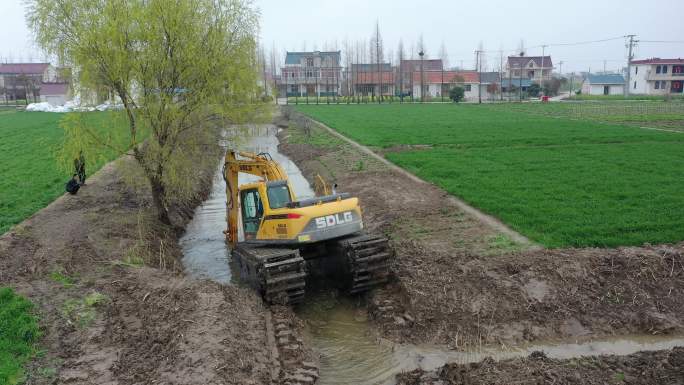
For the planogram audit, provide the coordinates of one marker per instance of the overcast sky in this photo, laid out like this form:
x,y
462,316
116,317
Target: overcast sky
x,y
461,25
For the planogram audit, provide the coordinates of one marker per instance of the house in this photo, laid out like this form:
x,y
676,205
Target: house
x,y
311,74
409,67
371,79
54,93
656,76
535,68
603,84
490,84
438,83
26,80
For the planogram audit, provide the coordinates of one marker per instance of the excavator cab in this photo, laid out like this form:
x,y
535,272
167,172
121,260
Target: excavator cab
x,y
284,237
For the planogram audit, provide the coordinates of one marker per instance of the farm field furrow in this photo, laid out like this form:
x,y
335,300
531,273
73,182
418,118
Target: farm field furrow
x,y
561,182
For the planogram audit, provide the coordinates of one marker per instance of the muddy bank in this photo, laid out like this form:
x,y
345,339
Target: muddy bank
x,y
460,283
664,367
114,305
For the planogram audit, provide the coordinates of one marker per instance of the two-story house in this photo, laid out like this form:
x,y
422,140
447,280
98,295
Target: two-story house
x,y
533,68
657,76
311,74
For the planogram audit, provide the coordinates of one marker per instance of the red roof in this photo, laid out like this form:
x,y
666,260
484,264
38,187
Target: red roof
x,y
23,68
435,77
657,60
54,88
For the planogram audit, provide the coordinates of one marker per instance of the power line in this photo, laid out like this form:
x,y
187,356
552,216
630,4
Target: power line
x,y
663,41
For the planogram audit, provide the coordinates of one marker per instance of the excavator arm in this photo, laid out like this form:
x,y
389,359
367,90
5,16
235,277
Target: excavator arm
x,y
261,165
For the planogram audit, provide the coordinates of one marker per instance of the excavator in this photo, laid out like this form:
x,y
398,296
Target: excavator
x,y
284,239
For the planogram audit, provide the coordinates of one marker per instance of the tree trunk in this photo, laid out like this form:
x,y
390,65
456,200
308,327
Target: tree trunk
x,y
158,197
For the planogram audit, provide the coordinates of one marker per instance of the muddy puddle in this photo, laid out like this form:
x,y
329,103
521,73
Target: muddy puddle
x,y
338,327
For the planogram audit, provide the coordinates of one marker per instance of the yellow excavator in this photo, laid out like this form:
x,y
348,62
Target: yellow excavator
x,y
285,239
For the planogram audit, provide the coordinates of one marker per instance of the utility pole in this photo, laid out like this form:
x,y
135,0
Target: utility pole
x,y
630,56
479,76
541,82
560,70
422,80
501,75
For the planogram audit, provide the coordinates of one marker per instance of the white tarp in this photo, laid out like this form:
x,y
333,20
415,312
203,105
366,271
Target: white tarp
x,y
72,105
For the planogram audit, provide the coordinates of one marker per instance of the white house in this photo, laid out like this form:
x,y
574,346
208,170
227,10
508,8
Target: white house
x,y
657,76
534,68
605,84
311,74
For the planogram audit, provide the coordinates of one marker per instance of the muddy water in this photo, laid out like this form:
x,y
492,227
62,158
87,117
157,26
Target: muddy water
x,y
338,327
205,254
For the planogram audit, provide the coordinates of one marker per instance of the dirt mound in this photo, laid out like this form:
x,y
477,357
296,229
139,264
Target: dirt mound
x,y
113,303
647,368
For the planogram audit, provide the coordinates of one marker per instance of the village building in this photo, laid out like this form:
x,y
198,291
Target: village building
x,y
533,68
22,81
311,74
371,79
603,84
657,76
408,68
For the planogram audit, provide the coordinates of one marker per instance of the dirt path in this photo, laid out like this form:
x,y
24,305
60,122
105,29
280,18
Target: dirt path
x,y
460,282
115,307
643,368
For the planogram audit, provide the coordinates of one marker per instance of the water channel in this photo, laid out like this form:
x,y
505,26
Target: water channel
x,y
337,325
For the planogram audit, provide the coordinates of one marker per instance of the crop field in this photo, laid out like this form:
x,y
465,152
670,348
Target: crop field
x,y
561,182
32,177
652,114
18,333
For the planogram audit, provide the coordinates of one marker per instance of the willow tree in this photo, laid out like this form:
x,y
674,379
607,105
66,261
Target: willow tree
x,y
178,67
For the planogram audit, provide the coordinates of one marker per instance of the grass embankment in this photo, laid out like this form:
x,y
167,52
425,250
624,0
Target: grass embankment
x,y
31,176
560,182
18,332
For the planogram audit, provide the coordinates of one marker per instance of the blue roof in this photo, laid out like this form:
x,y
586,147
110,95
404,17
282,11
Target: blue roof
x,y
606,79
296,57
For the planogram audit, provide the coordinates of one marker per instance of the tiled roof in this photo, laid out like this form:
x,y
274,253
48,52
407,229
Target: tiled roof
x,y
54,88
296,57
657,60
517,61
428,64
490,77
23,68
370,67
606,79
435,77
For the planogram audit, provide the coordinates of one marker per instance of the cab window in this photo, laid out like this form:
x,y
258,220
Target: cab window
x,y
252,210
278,196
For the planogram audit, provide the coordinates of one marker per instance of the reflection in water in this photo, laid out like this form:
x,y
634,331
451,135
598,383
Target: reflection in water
x,y
338,326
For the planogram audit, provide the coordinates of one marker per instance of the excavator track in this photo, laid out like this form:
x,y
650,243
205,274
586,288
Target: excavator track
x,y
279,274
368,261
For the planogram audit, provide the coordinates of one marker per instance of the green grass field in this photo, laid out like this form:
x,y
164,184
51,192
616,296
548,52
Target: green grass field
x,y
18,333
31,176
654,114
560,182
